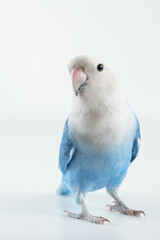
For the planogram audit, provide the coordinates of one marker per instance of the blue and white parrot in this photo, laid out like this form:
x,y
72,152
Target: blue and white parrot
x,y
101,136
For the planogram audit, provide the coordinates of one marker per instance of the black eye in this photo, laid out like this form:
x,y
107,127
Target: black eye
x,y
100,67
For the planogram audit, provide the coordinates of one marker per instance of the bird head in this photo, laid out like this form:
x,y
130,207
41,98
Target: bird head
x,y
93,80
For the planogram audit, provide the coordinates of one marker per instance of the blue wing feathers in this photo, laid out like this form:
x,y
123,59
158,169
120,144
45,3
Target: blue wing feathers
x,y
136,143
66,150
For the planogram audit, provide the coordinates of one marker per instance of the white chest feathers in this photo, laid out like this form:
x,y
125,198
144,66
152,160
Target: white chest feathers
x,y
100,130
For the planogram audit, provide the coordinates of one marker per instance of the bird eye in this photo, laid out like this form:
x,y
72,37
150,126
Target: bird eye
x,y
100,67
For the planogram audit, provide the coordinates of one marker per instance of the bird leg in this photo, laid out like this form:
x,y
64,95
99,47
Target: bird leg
x,y
85,215
122,208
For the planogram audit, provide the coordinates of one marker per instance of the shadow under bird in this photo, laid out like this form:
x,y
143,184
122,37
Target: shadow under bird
x,y
101,136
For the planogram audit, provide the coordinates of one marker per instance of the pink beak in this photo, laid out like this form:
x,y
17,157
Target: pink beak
x,y
79,78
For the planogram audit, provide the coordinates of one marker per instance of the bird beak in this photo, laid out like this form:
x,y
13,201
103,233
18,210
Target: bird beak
x,y
79,78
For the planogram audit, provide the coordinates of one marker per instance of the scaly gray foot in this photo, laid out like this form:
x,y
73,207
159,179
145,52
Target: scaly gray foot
x,y
125,210
88,217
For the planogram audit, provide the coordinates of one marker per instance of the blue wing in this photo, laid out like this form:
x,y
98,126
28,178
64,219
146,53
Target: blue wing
x,y
66,150
136,143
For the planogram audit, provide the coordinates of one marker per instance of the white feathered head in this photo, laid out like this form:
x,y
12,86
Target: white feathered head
x,y
94,81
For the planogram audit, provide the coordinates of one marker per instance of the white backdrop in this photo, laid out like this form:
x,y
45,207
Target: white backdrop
x,y
37,39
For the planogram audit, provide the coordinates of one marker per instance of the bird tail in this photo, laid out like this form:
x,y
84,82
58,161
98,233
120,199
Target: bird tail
x,y
62,189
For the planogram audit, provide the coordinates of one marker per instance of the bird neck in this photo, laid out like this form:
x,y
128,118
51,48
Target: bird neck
x,y
106,103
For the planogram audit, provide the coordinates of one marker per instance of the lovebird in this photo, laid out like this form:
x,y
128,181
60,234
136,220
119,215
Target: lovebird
x,y
101,136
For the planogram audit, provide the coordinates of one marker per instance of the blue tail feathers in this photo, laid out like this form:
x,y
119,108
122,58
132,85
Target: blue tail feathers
x,y
62,189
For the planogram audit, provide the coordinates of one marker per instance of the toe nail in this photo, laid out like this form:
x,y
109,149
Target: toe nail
x,y
143,213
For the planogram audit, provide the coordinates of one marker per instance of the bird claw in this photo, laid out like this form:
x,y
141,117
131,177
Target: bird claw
x,y
109,206
123,209
66,212
88,217
104,220
137,213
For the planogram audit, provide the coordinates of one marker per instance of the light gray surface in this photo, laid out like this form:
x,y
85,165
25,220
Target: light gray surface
x,y
41,217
